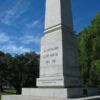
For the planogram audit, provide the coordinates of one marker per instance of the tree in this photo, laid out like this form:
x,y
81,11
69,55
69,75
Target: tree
x,y
23,71
17,73
84,48
3,71
32,69
89,50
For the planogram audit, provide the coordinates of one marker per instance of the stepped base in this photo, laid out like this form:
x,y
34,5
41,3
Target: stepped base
x,y
54,92
39,98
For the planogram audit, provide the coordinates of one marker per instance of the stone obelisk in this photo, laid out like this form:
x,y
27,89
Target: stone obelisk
x,y
59,66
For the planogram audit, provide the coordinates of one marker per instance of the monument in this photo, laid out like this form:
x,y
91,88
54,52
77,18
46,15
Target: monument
x,y
59,67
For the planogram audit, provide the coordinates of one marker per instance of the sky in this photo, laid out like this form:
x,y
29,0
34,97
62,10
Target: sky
x,y
22,22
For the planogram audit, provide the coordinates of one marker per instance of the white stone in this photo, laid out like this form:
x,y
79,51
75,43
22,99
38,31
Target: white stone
x,y
59,81
58,12
59,65
29,97
54,92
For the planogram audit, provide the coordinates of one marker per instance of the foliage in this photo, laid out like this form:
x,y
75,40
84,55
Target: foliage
x,y
19,71
3,71
89,50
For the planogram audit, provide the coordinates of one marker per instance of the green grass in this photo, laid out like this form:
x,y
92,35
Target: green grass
x,y
10,92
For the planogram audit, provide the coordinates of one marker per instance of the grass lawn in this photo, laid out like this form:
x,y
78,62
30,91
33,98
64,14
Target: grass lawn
x,y
9,92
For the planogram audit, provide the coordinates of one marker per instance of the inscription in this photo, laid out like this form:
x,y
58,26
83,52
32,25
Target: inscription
x,y
50,55
50,81
51,49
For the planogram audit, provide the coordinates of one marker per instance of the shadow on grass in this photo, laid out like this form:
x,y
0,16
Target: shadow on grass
x,y
9,92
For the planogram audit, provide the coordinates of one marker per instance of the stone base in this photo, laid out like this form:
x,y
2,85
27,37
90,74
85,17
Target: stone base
x,y
92,91
53,94
61,81
62,93
23,97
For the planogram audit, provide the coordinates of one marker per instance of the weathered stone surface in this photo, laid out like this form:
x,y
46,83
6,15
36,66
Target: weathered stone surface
x,y
92,91
39,98
54,92
28,98
59,66
58,12
59,81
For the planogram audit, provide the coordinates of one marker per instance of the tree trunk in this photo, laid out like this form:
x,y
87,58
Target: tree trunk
x,y
18,90
1,88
